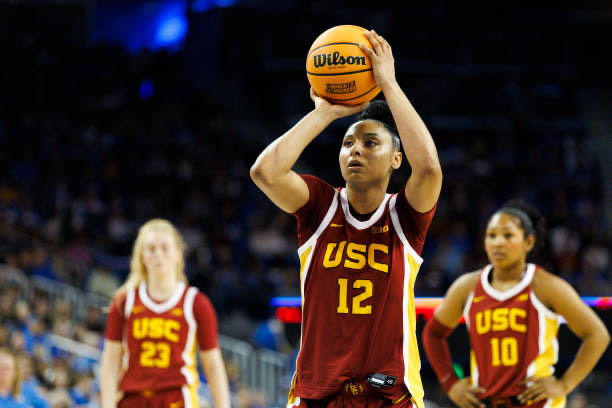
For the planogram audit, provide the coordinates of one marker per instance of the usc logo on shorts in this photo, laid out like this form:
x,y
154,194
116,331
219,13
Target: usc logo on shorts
x,y
357,255
354,389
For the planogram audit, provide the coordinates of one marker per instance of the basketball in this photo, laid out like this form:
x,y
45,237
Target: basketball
x,y
338,70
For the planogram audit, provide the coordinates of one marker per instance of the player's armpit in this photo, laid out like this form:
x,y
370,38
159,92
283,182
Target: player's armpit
x,y
423,189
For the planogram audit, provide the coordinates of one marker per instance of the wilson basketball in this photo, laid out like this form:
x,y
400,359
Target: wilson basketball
x,y
338,70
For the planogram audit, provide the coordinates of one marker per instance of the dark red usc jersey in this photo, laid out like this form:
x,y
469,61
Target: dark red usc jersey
x,y
357,280
513,336
160,339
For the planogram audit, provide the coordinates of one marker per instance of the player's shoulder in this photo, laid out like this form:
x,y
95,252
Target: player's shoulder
x,y
316,182
198,293
464,285
545,283
468,280
199,297
119,297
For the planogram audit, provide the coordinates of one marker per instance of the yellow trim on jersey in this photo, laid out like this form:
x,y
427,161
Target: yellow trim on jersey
x,y
303,259
400,399
292,397
544,361
190,392
558,403
193,368
414,361
473,369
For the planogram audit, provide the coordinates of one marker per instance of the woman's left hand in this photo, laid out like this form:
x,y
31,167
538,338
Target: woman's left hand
x,y
542,388
383,65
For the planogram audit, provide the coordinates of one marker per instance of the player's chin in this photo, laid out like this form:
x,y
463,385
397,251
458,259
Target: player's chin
x,y
355,177
500,262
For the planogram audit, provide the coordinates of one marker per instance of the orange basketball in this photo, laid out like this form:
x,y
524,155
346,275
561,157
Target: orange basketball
x,y
338,70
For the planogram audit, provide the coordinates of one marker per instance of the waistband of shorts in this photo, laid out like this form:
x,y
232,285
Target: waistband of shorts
x,y
148,393
506,402
363,389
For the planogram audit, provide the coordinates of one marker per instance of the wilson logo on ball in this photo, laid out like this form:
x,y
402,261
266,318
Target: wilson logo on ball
x,y
320,60
341,88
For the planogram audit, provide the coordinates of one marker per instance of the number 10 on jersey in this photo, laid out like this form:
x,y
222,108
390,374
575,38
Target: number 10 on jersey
x,y
357,308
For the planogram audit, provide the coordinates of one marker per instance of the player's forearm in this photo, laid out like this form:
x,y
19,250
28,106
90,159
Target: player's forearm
x,y
418,144
589,353
220,391
109,379
438,352
214,369
108,387
280,156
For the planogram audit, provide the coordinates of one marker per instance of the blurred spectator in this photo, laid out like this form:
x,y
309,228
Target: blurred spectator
x,y
4,335
9,381
31,391
17,341
102,281
270,334
82,391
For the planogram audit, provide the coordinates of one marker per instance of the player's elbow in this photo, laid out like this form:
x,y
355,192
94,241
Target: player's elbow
x,y
432,167
599,336
260,175
605,337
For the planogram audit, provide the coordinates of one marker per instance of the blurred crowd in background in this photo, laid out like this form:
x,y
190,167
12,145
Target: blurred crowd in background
x,y
50,376
95,140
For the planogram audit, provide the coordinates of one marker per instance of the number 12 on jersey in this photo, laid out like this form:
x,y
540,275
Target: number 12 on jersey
x,y
357,308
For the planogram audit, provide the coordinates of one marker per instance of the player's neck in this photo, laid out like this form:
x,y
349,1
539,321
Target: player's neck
x,y
509,275
365,200
160,288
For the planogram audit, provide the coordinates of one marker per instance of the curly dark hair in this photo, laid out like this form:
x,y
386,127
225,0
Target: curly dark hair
x,y
379,110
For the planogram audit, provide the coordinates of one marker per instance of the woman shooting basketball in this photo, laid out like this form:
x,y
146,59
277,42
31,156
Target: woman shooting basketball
x,y
359,246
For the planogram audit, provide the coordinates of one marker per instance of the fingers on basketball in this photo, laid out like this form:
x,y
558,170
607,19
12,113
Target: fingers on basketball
x,y
368,51
376,41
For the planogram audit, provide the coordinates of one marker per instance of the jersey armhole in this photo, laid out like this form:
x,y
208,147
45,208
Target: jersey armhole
x,y
400,232
326,220
466,308
470,297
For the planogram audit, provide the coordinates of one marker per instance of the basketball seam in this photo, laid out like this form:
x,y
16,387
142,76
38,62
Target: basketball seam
x,y
339,73
350,99
334,43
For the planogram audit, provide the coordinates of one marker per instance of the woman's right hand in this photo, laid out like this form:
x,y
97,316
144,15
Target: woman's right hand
x,y
335,110
463,394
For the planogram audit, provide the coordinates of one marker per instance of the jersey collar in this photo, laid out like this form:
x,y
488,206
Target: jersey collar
x,y
360,225
164,306
506,294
